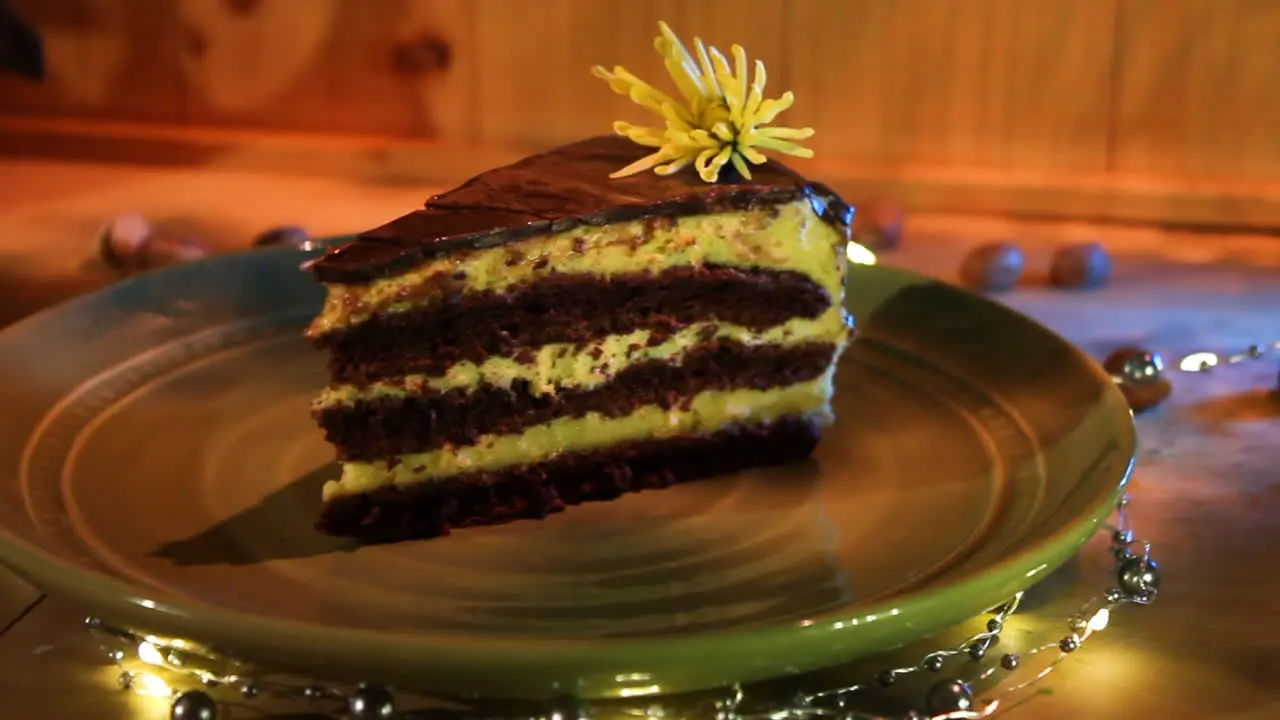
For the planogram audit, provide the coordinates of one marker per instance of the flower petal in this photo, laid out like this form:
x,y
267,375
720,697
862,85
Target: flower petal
x,y
711,172
785,133
644,163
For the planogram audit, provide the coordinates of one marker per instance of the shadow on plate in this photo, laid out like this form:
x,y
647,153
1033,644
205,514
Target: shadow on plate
x,y
277,528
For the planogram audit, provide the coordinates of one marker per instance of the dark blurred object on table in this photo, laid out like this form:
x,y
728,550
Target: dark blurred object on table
x,y
294,235
877,225
128,243
1083,266
21,51
993,267
1139,374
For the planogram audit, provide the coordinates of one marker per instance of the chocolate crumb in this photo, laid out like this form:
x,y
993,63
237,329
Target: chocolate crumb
x,y
579,245
541,263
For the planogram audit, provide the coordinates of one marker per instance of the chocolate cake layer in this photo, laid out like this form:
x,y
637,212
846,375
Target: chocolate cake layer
x,y
567,309
375,428
556,191
535,491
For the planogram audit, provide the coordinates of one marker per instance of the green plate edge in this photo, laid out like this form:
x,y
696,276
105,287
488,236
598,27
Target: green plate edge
x,y
501,668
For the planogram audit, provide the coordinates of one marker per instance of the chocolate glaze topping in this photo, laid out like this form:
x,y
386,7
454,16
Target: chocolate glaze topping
x,y
556,191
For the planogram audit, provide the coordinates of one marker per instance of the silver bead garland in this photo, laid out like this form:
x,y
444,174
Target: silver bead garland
x,y
1137,582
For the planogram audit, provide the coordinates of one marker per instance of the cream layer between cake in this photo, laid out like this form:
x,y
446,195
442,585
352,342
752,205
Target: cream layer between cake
x,y
706,413
567,366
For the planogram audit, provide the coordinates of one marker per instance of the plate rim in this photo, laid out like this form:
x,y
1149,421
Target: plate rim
x,y
119,601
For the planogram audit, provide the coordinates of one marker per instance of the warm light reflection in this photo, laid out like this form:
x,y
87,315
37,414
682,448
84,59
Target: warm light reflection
x,y
148,684
860,254
1099,620
149,654
639,691
1198,362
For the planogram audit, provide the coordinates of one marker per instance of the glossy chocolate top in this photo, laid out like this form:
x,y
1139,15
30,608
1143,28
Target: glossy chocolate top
x,y
557,191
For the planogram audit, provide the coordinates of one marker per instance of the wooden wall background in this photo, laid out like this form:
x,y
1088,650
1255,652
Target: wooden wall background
x,y
1148,110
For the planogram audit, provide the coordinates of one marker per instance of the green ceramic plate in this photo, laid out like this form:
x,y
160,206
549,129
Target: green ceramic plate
x,y
160,468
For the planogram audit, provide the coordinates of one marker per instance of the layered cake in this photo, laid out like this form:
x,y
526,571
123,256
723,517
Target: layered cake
x,y
622,313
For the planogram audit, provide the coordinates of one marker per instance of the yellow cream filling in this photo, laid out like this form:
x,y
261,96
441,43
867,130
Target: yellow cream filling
x,y
708,412
789,236
583,367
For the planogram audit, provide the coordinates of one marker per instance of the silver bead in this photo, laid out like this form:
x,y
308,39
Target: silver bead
x,y
1135,365
1139,578
125,680
193,705
313,692
1122,554
250,690
948,696
1010,661
1255,351
978,650
1078,624
92,622
116,656
1122,537
995,625
371,701
886,678
1070,643
933,663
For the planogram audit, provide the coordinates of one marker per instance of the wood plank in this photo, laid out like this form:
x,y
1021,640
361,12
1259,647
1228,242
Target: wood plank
x,y
340,66
408,163
257,63
987,83
433,101
535,85
49,222
1199,89
102,59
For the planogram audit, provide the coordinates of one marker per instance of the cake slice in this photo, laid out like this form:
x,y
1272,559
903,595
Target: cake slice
x,y
546,334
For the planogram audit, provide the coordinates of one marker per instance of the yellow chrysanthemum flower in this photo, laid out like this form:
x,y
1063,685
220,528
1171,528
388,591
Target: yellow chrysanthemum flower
x,y
723,118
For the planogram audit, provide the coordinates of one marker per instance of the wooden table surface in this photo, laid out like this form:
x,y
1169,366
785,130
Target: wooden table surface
x,y
1206,490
